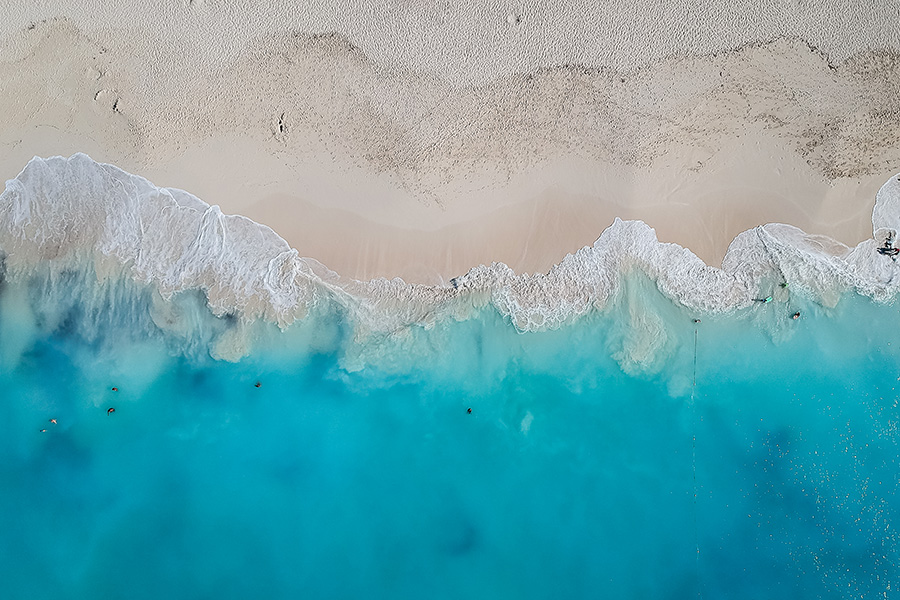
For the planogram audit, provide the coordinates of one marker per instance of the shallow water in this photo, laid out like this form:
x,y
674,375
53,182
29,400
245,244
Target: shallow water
x,y
596,461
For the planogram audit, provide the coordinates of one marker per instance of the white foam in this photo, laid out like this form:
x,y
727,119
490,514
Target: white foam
x,y
59,210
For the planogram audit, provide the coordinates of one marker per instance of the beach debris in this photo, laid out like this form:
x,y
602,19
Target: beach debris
x,y
110,411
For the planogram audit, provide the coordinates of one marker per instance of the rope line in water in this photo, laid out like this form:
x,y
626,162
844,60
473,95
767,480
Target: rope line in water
x,y
694,452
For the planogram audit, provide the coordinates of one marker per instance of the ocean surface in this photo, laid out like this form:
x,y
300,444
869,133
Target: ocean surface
x,y
641,446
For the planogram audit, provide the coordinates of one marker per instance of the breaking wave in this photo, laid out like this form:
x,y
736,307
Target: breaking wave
x,y
64,212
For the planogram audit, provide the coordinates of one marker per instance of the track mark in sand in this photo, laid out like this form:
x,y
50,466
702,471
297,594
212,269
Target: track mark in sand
x,y
281,127
109,98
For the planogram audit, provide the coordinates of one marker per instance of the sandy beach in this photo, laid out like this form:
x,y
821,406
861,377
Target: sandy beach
x,y
421,142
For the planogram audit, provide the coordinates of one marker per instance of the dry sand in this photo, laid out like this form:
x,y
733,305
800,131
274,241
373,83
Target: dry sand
x,y
418,142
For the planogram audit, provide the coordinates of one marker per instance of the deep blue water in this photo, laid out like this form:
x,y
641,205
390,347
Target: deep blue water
x,y
355,470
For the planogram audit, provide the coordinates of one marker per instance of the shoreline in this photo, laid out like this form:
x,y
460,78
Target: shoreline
x,y
59,213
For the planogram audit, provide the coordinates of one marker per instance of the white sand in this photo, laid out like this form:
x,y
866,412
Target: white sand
x,y
448,139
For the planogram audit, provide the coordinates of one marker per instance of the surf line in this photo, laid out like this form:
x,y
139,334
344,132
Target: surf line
x,y
694,453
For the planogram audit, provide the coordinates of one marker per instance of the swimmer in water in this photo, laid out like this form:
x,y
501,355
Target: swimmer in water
x,y
110,411
468,411
43,431
115,389
795,316
257,384
53,421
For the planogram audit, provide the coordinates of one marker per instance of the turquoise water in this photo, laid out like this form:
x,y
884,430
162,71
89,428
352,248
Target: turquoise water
x,y
355,470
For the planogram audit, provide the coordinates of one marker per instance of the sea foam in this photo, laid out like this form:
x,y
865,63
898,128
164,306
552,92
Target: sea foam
x,y
63,212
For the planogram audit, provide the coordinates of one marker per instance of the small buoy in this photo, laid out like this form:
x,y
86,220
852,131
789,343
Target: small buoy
x,y
115,389
53,421
110,411
468,411
257,384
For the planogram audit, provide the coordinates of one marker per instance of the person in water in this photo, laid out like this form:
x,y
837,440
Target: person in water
x,y
888,248
796,315
110,411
